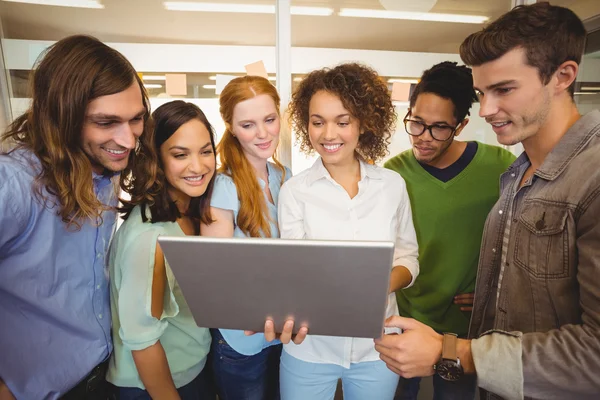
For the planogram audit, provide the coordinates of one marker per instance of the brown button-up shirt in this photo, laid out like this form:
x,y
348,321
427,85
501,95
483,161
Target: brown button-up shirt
x,y
536,314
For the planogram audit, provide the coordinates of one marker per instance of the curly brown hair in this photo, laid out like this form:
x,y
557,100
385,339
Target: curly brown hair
x,y
362,92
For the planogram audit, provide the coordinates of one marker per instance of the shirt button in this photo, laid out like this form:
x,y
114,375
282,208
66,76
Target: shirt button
x,y
99,255
500,212
493,250
98,287
100,316
513,175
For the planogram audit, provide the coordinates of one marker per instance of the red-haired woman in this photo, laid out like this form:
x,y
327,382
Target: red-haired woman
x,y
244,204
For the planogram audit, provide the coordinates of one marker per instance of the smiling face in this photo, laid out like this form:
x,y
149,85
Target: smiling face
x,y
111,128
513,98
256,125
332,130
188,160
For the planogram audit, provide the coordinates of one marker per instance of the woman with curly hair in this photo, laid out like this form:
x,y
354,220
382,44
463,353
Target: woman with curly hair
x,y
159,351
346,115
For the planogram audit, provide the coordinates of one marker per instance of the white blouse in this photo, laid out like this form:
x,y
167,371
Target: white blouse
x,y
313,206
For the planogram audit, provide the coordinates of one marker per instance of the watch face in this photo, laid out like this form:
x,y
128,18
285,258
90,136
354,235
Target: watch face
x,y
449,370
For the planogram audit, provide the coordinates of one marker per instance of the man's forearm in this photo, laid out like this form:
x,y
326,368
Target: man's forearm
x,y
463,350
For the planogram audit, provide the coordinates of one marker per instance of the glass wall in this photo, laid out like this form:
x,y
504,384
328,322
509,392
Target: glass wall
x,y
400,40
201,40
587,93
160,38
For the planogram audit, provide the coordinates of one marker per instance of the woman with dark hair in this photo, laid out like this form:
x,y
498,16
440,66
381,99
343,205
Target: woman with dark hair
x,y
159,351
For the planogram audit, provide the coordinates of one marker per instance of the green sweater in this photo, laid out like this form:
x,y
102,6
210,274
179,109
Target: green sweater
x,y
449,219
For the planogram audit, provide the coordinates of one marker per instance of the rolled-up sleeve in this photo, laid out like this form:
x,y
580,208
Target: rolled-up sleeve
x,y
497,358
139,329
406,252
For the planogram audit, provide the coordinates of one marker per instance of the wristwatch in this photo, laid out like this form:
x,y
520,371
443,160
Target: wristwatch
x,y
449,368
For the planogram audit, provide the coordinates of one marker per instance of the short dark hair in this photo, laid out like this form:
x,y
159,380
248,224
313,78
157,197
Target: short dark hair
x,y
450,81
362,92
550,36
148,184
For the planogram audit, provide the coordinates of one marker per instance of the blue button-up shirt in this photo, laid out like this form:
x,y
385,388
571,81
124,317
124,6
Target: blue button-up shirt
x,y
54,289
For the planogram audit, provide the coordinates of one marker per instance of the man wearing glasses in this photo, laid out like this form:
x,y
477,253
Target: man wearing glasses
x,y
452,187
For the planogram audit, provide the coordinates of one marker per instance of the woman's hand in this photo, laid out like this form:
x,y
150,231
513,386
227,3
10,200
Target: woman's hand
x,y
286,335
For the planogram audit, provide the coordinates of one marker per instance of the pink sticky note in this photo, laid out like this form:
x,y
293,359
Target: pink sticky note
x,y
400,91
257,69
176,84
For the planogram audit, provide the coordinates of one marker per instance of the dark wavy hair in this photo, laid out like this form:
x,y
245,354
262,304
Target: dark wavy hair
x,y
148,185
73,72
450,81
550,36
362,92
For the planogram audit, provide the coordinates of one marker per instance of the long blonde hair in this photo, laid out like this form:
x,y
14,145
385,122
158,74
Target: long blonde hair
x,y
73,72
252,217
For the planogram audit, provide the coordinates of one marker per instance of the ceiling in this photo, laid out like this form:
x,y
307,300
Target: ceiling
x,y
146,21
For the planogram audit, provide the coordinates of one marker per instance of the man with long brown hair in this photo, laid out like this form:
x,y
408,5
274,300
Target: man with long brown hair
x,y
535,326
58,193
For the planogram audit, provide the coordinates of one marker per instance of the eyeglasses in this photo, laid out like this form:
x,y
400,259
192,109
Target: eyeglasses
x,y
438,132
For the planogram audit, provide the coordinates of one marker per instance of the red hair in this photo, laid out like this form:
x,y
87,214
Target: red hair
x,y
252,217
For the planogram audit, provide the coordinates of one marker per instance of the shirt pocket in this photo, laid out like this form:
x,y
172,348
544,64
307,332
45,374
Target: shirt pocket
x,y
542,240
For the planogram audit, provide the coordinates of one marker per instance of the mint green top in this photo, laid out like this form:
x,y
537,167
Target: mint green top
x,y
131,263
449,218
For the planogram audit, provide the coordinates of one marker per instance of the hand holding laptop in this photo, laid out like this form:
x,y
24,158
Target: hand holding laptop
x,y
285,336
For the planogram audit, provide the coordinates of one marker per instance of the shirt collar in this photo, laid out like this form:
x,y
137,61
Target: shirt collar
x,y
575,139
318,171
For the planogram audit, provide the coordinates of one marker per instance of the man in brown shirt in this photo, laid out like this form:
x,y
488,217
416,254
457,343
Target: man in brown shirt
x,y
536,316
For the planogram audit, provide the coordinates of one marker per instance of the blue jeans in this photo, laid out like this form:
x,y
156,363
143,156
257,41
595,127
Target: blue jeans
x,y
301,380
200,388
241,377
463,389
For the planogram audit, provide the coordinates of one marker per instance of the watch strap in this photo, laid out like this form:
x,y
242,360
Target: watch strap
x,y
449,346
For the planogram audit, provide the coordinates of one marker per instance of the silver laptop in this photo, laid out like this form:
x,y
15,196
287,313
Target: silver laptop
x,y
335,288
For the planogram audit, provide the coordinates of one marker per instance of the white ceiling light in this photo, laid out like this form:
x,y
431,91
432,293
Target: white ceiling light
x,y
152,85
209,86
154,77
243,8
62,3
316,11
417,16
408,5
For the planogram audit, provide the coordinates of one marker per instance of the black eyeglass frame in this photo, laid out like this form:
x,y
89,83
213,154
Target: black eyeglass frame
x,y
429,128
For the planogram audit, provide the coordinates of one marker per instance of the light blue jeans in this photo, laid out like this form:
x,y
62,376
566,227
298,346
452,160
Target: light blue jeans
x,y
301,380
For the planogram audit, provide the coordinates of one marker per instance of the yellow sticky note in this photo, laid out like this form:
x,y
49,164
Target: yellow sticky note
x,y
400,91
176,84
257,69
